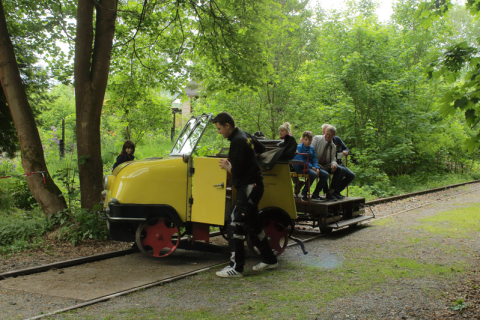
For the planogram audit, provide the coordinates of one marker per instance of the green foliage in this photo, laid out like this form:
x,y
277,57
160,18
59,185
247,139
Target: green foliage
x,y
9,141
459,65
11,231
458,305
20,229
288,40
22,197
138,111
475,175
75,225
14,191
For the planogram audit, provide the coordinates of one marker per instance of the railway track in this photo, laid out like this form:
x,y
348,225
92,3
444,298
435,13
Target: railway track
x,y
414,206
75,262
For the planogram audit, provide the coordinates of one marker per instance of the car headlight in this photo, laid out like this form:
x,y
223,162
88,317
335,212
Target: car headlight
x,y
107,183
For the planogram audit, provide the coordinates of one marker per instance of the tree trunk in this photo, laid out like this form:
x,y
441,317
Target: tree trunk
x,y
92,64
48,195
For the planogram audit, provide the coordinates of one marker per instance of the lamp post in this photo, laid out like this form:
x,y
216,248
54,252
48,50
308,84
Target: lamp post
x,y
174,111
61,142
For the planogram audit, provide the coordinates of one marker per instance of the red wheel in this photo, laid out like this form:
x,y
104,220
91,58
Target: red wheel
x,y
158,237
277,235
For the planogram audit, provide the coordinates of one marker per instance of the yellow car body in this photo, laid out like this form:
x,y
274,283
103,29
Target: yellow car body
x,y
186,189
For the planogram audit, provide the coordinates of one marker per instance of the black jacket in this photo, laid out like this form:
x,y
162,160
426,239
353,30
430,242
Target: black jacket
x,y
122,158
243,159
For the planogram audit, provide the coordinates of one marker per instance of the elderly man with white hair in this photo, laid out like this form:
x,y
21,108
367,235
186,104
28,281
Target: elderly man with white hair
x,y
326,155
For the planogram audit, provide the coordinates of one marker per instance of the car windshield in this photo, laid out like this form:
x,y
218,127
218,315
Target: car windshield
x,y
190,135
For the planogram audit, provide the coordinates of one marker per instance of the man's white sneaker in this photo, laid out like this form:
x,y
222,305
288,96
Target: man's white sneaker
x,y
229,272
265,266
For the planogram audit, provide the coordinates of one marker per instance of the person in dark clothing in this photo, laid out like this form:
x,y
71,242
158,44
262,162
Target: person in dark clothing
x,y
126,155
248,181
341,148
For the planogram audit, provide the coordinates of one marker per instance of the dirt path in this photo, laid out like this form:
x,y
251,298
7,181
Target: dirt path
x,y
420,264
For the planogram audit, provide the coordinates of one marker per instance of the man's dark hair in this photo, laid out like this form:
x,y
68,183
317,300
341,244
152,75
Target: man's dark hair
x,y
224,117
307,134
128,144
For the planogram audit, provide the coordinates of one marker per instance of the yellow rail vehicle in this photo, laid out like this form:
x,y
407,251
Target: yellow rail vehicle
x,y
163,204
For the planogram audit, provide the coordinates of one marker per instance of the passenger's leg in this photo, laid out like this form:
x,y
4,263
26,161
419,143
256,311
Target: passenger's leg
x,y
347,179
312,175
298,183
337,179
322,183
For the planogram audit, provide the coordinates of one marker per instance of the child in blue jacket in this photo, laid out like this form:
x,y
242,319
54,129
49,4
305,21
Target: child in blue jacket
x,y
307,154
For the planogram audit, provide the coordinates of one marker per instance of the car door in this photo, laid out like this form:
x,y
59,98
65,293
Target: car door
x,y
209,184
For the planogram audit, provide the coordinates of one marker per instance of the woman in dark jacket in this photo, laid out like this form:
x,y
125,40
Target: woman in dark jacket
x,y
127,153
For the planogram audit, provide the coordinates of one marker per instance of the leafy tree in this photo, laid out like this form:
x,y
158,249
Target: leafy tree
x,y
47,194
8,135
460,66
266,105
33,77
140,111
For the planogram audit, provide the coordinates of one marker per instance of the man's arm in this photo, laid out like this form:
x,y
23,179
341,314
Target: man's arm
x,y
314,159
238,150
344,148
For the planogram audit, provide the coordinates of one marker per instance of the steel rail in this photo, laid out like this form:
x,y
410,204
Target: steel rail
x,y
416,207
127,291
411,194
66,263
75,262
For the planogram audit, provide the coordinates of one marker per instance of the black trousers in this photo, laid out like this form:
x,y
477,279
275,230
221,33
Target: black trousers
x,y
244,222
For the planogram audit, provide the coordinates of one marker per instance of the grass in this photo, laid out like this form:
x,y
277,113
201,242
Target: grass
x,y
458,223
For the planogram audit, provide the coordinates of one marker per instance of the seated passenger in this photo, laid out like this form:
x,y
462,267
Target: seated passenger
x,y
284,130
326,155
314,170
341,147
126,155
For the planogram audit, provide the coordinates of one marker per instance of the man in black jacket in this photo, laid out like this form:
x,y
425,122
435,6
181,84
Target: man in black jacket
x,y
248,181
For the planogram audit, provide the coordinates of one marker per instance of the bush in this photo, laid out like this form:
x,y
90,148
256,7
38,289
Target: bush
x,y
11,230
21,230
21,195
75,225
475,175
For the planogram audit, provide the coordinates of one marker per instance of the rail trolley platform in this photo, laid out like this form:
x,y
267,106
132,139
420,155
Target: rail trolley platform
x,y
328,215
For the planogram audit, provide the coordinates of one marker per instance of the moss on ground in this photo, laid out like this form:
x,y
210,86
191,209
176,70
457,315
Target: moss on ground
x,y
458,223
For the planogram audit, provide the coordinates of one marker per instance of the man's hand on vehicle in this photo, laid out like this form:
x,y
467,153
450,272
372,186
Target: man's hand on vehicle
x,y
225,164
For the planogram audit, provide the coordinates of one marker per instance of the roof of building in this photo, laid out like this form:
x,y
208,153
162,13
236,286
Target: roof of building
x,y
191,89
